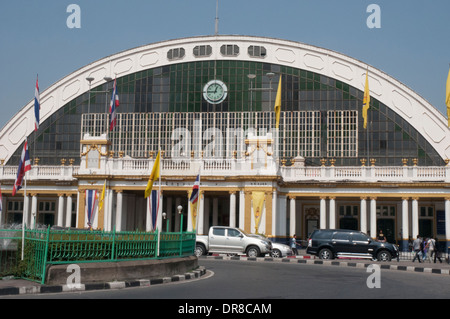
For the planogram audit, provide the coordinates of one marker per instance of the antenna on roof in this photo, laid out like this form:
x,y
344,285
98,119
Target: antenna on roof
x,y
217,18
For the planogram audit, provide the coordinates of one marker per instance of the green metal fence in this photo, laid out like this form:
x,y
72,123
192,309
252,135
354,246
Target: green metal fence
x,y
46,247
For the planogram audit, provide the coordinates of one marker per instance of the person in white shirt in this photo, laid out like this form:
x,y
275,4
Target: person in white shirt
x,y
430,249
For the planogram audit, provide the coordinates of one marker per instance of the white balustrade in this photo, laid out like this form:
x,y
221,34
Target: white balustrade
x,y
237,167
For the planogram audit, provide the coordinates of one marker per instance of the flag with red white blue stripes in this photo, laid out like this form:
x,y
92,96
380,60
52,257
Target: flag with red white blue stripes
x,y
24,166
153,202
37,105
113,106
91,205
195,189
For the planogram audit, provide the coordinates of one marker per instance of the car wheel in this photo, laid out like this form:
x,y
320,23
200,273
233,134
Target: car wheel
x,y
199,250
253,251
325,253
276,253
384,256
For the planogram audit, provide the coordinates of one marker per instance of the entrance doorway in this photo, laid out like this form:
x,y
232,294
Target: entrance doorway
x,y
312,214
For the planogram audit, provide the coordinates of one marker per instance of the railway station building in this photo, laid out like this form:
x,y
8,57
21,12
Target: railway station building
x,y
207,103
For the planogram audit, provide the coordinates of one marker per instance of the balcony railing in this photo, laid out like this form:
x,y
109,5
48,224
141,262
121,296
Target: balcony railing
x,y
367,174
235,167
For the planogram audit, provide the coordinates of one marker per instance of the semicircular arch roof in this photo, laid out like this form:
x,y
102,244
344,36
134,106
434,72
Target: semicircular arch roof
x,y
424,117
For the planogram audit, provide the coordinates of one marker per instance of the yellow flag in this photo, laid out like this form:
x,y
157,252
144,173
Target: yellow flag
x,y
366,100
154,175
194,214
102,197
447,97
277,108
258,204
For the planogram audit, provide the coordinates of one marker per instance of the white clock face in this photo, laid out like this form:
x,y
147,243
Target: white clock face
x,y
215,91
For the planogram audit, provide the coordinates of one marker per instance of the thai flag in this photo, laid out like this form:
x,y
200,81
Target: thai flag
x,y
24,166
195,190
91,206
112,107
37,106
153,203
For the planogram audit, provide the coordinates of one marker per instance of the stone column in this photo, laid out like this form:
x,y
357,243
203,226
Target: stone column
x,y
232,209
373,217
323,213
363,217
68,210
241,209
405,224
292,208
248,211
274,212
119,210
60,216
332,212
415,217
33,210
110,209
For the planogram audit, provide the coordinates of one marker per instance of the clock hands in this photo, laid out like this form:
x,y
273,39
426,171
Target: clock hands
x,y
215,92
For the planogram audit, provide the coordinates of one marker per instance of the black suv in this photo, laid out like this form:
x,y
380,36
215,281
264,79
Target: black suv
x,y
331,243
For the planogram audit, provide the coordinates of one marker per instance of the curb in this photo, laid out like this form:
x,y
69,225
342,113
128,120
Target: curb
x,y
312,261
101,286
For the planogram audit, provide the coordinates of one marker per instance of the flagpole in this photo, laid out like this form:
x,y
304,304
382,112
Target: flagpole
x,y
367,141
199,198
368,128
366,99
24,209
35,128
159,200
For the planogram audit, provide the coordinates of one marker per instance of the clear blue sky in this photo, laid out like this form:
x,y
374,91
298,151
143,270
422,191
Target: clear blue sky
x,y
412,45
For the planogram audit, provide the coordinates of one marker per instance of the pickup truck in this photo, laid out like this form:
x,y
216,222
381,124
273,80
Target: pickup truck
x,y
230,240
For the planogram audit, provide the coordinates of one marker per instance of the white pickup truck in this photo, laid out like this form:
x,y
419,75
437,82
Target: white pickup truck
x,y
230,240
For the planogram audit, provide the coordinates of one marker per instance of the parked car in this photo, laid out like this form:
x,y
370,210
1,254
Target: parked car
x,y
278,250
230,240
335,243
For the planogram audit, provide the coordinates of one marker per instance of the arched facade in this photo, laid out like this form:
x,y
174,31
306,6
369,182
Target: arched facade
x,y
320,169
314,79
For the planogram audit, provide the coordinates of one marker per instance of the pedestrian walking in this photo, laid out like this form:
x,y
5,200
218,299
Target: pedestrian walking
x,y
294,245
424,249
430,248
417,244
437,252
